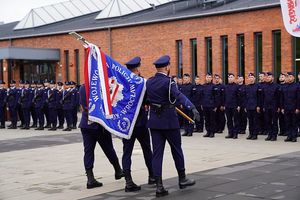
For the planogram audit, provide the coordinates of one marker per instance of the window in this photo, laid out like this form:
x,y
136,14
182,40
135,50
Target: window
x,y
179,58
1,70
258,53
77,65
194,57
296,54
67,64
241,54
208,46
224,41
276,53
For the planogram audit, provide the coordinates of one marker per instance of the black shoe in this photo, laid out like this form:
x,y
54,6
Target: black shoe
x,y
12,127
21,126
288,139
249,137
33,126
160,190
92,182
294,140
9,126
151,180
130,185
60,127
219,131
254,137
185,134
190,134
118,171
67,129
229,136
211,135
242,132
47,126
268,138
200,130
183,181
39,128
206,135
52,129
273,139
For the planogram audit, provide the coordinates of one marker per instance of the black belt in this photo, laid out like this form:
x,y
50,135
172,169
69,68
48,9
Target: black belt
x,y
162,106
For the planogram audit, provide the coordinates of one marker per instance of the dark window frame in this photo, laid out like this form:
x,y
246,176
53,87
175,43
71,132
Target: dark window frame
x,y
296,58
1,70
225,64
194,60
67,64
276,58
209,55
179,47
241,54
258,52
77,65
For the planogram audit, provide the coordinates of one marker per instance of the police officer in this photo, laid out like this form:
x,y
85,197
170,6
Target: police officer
x,y
261,118
282,84
60,112
209,105
242,115
52,102
162,93
75,93
26,100
219,98
12,104
68,101
187,89
45,107
91,134
33,114
19,106
271,107
231,106
140,132
290,107
3,96
39,102
197,101
252,106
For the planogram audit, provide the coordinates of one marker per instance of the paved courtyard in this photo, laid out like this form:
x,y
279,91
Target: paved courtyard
x,y
47,165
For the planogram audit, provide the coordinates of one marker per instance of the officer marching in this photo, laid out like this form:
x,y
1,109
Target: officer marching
x,y
140,133
162,93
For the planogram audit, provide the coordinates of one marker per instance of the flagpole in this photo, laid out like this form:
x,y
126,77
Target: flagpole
x,y
184,115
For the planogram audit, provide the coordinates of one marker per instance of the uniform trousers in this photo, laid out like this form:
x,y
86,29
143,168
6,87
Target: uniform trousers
x,y
159,138
142,135
103,138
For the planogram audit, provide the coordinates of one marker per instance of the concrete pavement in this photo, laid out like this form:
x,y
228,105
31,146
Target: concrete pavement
x,y
49,165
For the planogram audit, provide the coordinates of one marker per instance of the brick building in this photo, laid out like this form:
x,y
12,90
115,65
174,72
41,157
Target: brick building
x,y
238,36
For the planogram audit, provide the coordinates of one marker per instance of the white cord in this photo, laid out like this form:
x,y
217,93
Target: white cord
x,y
170,84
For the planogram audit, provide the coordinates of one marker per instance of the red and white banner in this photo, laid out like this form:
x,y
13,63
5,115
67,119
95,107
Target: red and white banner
x,y
291,16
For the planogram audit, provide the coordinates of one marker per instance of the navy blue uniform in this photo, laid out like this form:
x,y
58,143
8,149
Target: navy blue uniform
x,y
19,107
75,108
32,109
52,102
231,105
261,116
270,106
209,104
220,114
26,101
290,101
252,101
46,108
12,103
93,133
242,115
197,101
187,89
3,96
282,127
60,111
39,102
140,132
69,100
163,121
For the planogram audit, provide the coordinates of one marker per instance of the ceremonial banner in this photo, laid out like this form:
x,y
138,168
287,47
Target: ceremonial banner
x,y
291,16
114,93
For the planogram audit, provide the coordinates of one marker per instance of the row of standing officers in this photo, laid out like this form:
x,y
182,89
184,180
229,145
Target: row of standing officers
x,y
37,101
264,104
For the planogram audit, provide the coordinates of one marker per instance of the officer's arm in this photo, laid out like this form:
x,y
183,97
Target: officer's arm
x,y
82,97
181,98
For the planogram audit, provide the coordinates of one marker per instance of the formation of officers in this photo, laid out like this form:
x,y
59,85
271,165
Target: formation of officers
x,y
39,105
271,108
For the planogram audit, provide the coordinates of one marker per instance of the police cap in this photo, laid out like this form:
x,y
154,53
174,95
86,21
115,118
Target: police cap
x,y
162,61
133,63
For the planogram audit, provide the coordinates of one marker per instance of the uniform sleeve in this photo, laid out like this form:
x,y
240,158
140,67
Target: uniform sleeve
x,y
82,97
181,98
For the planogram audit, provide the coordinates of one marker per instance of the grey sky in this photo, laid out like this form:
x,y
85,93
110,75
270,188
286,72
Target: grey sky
x,y
15,10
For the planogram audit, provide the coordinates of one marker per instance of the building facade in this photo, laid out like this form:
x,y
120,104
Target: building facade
x,y
217,39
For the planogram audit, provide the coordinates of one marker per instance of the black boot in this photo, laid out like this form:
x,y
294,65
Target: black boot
x,y
212,135
183,181
249,137
206,135
91,181
268,138
130,185
118,171
151,180
160,190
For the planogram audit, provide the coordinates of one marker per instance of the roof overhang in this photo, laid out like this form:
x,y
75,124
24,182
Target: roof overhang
x,y
21,53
